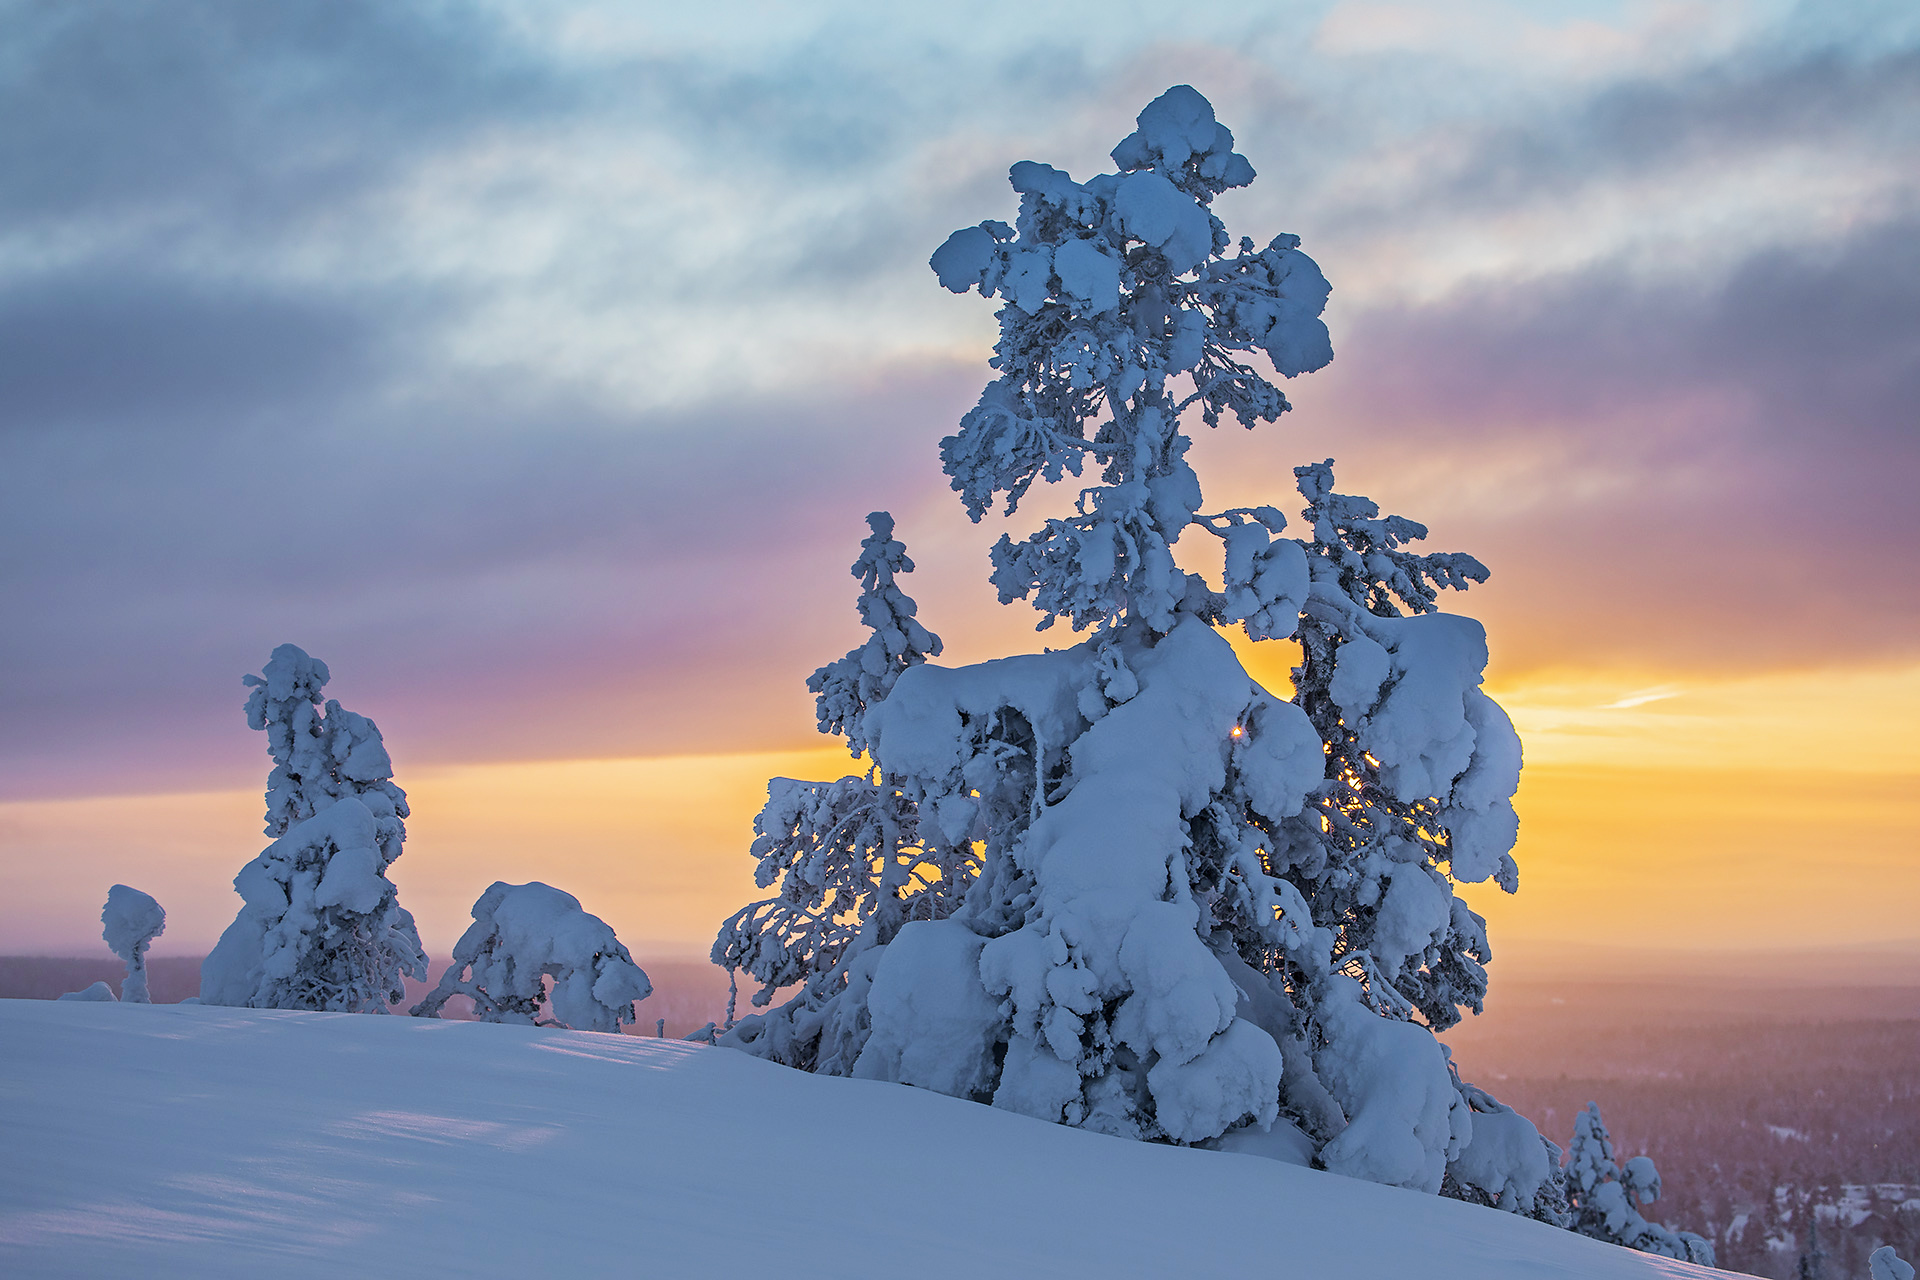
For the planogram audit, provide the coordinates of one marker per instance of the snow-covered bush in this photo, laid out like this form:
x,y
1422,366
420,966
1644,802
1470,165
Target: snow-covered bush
x,y
322,927
523,934
1121,885
130,921
1886,1264
1606,1197
99,992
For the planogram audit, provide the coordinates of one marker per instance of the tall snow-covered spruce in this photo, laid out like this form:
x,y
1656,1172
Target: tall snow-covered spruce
x,y
322,927
1121,885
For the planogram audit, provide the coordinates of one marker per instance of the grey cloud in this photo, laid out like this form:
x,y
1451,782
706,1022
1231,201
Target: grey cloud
x,y
479,557
1756,439
815,111
1759,101
253,114
1704,120
109,346
1828,336
1823,338
204,464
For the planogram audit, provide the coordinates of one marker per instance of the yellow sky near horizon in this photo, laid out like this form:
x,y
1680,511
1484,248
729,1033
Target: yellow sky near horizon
x,y
1774,810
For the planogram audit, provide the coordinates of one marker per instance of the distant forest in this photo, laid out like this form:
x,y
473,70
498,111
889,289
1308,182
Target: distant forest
x,y
1767,1109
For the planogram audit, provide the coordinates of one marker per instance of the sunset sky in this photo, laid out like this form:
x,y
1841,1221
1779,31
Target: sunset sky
x,y
535,365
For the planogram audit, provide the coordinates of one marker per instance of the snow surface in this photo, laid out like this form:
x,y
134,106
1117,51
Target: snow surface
x,y
178,1140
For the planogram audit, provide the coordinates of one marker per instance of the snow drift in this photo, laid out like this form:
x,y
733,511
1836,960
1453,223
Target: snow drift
x,y
293,1144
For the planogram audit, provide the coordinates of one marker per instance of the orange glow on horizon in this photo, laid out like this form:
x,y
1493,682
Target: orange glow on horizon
x,y
1738,813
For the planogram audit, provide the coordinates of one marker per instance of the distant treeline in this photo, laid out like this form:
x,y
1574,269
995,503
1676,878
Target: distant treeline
x,y
1766,1109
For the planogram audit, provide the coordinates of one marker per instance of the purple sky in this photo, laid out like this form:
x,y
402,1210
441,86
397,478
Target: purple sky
x,y
536,365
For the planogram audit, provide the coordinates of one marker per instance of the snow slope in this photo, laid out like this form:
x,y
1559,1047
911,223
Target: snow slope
x,y
182,1140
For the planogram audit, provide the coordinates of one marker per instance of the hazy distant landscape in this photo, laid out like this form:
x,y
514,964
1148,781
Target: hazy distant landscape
x,y
1757,1100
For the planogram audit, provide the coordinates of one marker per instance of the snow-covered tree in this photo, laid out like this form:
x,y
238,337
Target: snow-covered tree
x,y
521,936
130,922
322,927
1606,1197
847,855
846,687
1812,1263
1172,902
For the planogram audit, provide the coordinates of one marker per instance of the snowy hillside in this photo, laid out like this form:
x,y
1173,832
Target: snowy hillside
x,y
167,1140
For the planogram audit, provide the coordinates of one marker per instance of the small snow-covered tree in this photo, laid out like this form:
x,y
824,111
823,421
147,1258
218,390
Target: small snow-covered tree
x,y
846,687
322,927
848,855
521,936
1172,902
130,921
1606,1197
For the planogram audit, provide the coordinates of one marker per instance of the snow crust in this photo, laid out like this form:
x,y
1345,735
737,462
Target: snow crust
x,y
1405,1120
933,1025
1154,211
896,640
1607,1197
1100,931
292,1144
1284,1141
